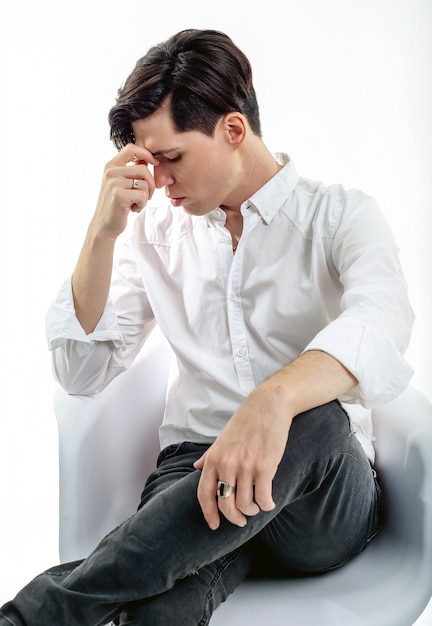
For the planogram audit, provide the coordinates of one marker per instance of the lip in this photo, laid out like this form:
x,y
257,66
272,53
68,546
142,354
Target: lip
x,y
177,201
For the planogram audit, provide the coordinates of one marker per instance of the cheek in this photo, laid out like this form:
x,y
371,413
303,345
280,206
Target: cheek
x,y
208,173
217,172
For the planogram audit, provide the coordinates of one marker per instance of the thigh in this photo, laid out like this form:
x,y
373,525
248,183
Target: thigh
x,y
337,508
174,463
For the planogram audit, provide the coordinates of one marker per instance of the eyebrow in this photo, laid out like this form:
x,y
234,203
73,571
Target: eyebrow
x,y
162,152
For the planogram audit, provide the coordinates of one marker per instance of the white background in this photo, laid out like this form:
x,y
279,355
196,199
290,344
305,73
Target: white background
x,y
344,88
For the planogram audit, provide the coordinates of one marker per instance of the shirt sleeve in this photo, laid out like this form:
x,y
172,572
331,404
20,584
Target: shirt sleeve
x,y
85,363
373,330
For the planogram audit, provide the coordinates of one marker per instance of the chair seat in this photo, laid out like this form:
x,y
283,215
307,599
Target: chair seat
x,y
107,448
377,588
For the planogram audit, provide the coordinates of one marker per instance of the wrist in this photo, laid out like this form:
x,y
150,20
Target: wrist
x,y
275,398
100,235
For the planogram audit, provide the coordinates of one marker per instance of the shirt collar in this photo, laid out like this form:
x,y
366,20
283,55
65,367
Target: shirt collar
x,y
270,198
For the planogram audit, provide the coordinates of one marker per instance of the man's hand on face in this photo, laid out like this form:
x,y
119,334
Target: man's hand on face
x,y
127,185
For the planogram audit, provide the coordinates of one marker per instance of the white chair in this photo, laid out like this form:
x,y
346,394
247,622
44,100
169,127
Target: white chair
x,y
109,443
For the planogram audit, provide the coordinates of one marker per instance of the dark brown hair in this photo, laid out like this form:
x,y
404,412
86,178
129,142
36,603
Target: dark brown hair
x,y
204,74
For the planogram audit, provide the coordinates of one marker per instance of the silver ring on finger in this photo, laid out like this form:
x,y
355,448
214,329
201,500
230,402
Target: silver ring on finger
x,y
224,490
135,184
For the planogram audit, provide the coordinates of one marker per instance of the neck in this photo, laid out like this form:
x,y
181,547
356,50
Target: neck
x,y
257,166
257,170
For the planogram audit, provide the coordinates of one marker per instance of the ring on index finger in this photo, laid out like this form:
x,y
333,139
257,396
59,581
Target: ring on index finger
x,y
224,490
135,184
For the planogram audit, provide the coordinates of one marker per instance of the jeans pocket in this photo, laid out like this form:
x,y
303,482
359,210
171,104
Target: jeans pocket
x,y
169,452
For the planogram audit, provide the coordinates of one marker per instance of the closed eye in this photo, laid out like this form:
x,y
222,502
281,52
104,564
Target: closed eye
x,y
174,159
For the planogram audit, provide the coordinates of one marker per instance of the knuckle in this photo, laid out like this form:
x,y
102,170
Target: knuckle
x,y
243,504
261,465
204,495
227,510
117,194
145,188
251,510
262,493
110,171
211,456
227,466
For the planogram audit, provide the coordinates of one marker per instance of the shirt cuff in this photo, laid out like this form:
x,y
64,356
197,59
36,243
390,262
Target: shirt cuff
x,y
370,355
62,324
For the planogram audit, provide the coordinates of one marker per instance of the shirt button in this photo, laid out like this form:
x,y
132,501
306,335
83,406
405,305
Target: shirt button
x,y
233,296
241,352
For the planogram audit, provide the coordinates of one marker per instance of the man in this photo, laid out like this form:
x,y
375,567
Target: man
x,y
280,298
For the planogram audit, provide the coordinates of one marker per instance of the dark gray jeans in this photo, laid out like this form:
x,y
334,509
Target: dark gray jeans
x,y
165,566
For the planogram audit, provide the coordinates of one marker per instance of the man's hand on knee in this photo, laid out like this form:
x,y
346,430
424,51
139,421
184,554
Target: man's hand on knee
x,y
244,458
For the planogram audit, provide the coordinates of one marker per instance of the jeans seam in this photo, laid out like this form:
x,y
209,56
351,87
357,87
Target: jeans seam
x,y
59,574
226,562
325,462
370,535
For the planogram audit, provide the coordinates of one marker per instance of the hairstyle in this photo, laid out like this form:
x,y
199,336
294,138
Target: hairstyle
x,y
204,75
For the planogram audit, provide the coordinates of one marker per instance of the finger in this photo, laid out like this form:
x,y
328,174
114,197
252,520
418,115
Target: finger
x,y
263,492
137,177
142,155
138,206
134,178
229,510
199,464
206,494
235,506
244,497
133,153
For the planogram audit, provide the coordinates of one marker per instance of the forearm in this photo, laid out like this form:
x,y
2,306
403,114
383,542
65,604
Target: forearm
x,y
249,448
311,380
91,278
118,197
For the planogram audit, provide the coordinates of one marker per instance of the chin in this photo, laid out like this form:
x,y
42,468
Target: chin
x,y
192,210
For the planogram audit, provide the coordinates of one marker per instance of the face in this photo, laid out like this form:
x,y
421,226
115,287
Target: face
x,y
198,172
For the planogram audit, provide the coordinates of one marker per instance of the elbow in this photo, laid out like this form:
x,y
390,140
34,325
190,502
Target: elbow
x,y
85,373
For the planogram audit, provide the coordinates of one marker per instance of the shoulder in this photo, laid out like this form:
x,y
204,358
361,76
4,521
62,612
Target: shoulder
x,y
318,209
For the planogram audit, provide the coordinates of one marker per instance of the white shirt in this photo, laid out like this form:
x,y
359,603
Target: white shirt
x,y
316,268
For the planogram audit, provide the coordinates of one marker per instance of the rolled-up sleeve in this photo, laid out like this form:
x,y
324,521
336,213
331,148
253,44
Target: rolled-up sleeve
x,y
85,363
373,330
62,324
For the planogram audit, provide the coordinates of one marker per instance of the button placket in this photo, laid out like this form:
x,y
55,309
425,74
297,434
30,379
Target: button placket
x,y
235,312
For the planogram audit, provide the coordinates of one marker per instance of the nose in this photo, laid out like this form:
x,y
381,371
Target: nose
x,y
162,175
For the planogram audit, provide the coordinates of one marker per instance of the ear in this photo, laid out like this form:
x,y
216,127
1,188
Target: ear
x,y
235,128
